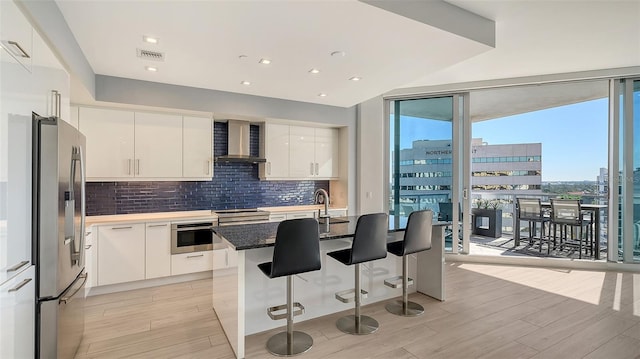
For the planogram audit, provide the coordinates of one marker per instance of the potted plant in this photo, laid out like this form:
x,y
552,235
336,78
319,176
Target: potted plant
x,y
487,218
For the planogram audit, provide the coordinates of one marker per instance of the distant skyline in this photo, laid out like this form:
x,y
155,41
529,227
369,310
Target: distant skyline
x,y
574,137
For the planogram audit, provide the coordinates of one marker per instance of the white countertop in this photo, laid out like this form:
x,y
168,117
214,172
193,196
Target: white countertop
x,y
189,215
151,217
313,207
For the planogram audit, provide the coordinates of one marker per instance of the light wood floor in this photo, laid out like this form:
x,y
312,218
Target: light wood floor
x,y
490,312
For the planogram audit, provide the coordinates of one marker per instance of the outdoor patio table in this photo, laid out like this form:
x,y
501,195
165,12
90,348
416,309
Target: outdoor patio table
x,y
594,208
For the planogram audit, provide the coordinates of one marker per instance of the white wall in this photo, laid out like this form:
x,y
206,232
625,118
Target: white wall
x,y
370,164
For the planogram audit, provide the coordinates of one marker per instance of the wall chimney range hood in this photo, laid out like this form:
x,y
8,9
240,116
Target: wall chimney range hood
x,y
238,144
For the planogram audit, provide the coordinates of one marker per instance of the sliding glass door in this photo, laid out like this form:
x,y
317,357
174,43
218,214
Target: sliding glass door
x,y
626,114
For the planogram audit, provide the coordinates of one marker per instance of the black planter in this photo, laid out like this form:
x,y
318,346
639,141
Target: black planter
x,y
487,222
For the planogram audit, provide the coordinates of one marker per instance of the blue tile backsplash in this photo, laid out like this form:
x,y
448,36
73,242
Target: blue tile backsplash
x,y
234,185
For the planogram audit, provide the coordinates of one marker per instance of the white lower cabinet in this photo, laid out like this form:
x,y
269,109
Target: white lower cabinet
x,y
121,253
191,262
17,315
158,250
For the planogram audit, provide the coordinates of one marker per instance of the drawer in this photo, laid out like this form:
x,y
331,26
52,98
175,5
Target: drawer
x,y
300,215
191,262
277,217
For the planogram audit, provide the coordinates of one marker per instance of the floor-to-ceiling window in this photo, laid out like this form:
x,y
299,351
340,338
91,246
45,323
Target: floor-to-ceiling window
x,y
422,158
421,154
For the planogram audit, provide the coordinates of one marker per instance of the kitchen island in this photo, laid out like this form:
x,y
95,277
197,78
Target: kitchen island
x,y
242,295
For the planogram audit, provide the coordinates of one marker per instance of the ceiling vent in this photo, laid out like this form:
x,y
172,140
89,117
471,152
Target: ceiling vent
x,y
150,55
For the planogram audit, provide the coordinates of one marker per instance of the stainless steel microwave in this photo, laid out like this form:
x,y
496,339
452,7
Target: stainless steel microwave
x,y
191,237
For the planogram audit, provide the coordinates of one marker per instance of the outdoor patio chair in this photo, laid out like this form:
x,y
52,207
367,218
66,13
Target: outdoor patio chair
x,y
567,215
530,210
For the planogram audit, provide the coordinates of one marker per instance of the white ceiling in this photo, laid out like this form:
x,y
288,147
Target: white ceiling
x,y
203,39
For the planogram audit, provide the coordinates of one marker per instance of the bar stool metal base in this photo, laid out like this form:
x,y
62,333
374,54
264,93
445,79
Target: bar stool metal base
x,y
277,344
347,324
412,310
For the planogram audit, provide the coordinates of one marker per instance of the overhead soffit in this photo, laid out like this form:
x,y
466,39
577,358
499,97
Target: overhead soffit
x,y
506,101
202,42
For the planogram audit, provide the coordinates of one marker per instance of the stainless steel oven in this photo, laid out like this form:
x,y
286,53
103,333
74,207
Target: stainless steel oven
x,y
189,237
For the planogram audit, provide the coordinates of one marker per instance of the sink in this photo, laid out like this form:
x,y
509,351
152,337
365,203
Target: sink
x,y
333,220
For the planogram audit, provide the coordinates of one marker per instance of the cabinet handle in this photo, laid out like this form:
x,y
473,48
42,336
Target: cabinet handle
x,y
17,46
17,266
58,104
196,256
317,173
127,227
129,166
88,246
269,168
22,284
157,225
54,102
311,169
138,166
208,166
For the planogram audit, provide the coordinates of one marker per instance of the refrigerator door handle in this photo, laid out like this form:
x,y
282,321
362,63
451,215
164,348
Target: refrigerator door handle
x,y
66,299
83,198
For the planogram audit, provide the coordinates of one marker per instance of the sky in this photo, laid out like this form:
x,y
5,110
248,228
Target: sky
x,y
574,137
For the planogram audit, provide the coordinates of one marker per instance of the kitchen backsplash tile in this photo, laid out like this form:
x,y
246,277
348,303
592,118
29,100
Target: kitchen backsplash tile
x,y
234,185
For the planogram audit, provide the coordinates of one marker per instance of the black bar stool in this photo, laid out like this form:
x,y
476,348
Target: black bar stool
x,y
369,243
296,250
417,238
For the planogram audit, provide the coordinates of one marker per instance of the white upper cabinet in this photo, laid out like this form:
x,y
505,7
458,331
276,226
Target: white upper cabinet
x,y
326,153
158,145
73,117
298,152
276,150
110,142
301,155
16,34
197,149
125,145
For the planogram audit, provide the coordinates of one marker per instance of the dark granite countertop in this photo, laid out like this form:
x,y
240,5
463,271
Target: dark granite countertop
x,y
249,236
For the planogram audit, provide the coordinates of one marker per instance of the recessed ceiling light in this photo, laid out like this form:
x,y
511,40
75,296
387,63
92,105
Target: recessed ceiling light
x,y
322,94
314,71
150,39
151,68
338,54
355,78
265,61
246,83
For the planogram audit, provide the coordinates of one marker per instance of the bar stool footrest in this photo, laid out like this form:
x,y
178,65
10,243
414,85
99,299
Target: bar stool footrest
x,y
396,282
349,295
298,309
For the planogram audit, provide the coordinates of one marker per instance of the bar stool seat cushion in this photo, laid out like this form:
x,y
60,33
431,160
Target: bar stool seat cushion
x,y
395,248
342,256
265,268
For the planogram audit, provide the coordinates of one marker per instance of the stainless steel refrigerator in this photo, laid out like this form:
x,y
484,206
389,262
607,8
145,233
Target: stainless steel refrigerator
x,y
58,236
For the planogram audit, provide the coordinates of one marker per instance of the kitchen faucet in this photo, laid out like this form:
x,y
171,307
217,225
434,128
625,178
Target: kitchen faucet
x,y
321,192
